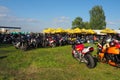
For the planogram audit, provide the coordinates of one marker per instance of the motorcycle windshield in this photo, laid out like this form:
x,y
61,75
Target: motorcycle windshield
x,y
79,47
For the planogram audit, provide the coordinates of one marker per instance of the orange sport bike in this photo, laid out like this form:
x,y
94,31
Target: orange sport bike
x,y
110,55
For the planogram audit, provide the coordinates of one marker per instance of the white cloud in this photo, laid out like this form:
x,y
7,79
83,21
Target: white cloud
x,y
7,19
113,24
62,19
32,20
61,22
3,9
3,15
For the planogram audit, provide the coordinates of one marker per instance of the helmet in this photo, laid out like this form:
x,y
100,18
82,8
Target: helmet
x,y
116,41
108,40
77,42
112,44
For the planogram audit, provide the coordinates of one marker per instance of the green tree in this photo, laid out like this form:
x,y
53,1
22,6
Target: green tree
x,y
86,25
97,18
77,23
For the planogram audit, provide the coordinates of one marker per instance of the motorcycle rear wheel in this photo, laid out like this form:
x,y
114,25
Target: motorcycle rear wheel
x,y
90,61
53,45
23,47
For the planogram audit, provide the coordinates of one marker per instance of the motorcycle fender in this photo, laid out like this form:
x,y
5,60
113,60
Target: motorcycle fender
x,y
112,63
51,41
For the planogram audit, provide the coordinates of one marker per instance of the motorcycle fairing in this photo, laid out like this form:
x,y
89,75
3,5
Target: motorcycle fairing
x,y
87,49
113,50
79,47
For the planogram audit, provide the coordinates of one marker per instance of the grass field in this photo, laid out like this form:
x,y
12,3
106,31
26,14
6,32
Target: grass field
x,y
50,64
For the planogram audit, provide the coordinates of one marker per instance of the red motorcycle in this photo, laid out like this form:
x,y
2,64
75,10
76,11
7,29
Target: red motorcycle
x,y
50,41
83,54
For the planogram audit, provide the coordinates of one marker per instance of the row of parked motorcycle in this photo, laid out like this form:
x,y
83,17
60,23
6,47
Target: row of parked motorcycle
x,y
108,53
26,43
30,41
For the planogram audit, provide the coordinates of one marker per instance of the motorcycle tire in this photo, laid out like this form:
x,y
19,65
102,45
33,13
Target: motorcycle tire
x,y
24,47
53,45
90,61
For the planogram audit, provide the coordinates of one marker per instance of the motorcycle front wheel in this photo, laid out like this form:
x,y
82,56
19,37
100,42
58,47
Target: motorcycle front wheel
x,y
90,62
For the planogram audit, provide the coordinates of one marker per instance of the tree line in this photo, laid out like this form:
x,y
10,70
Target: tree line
x,y
97,19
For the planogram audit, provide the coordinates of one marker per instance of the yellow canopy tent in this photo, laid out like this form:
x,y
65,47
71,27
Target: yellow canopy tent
x,y
90,31
69,31
49,30
109,31
59,30
76,30
83,31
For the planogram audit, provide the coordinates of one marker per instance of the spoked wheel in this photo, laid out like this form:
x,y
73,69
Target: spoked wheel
x,y
89,60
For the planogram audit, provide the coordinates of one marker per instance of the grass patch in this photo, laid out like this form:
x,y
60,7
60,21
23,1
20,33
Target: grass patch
x,y
50,64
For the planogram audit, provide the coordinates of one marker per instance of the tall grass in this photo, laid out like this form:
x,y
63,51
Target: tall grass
x,y
50,64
